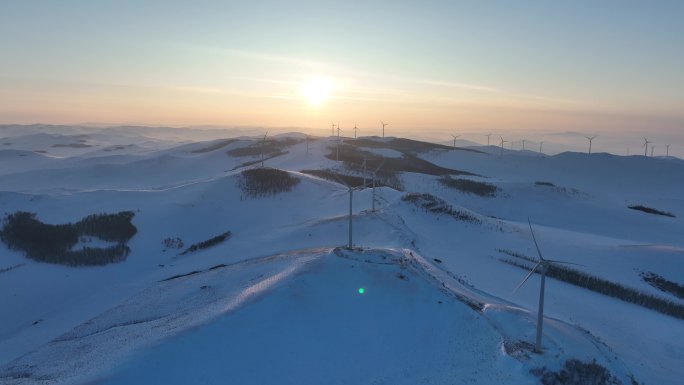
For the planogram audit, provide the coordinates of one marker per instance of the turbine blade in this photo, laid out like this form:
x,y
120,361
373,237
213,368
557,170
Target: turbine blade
x,y
526,277
535,240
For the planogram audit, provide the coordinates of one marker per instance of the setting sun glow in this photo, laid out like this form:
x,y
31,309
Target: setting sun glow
x,y
316,90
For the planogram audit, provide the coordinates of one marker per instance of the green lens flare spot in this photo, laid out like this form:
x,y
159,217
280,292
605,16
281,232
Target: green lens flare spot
x,y
362,290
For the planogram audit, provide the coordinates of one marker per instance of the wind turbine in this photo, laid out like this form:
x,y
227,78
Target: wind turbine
x,y
590,139
652,148
667,150
383,127
263,144
374,173
351,195
455,136
337,157
543,265
355,129
488,135
646,143
333,129
523,143
502,144
540,147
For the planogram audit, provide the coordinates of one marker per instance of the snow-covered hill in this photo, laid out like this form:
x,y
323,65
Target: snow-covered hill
x,y
279,301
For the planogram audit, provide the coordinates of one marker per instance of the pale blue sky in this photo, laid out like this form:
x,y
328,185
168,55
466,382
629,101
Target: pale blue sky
x,y
594,65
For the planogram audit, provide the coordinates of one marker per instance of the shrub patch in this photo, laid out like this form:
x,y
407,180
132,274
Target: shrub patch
x,y
53,243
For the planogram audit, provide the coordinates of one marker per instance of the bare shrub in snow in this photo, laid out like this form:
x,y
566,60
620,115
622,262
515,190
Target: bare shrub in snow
x,y
599,285
431,203
576,372
53,243
259,182
173,243
207,243
651,210
470,186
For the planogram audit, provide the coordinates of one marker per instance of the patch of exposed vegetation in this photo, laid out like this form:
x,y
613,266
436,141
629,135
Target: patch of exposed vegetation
x,y
353,181
381,180
116,147
217,145
432,204
406,145
353,158
10,268
253,162
518,349
72,145
598,285
662,284
43,242
208,243
260,182
269,148
576,372
470,186
559,189
651,210
172,243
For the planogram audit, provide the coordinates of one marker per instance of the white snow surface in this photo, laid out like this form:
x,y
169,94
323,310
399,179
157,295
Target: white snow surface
x,y
278,302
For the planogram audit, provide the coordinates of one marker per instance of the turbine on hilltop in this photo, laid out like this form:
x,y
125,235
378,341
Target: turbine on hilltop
x,y
646,143
590,139
502,144
542,266
455,136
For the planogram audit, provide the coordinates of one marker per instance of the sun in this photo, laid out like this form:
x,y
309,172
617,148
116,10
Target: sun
x,y
316,90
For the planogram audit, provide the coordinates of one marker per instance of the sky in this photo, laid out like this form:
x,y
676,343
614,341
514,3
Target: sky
x,y
611,68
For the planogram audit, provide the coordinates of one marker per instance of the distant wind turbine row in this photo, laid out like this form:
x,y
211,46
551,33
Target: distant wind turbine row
x,y
356,129
590,139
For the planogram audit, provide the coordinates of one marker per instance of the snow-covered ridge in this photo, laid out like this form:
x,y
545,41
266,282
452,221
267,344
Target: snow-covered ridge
x,y
179,188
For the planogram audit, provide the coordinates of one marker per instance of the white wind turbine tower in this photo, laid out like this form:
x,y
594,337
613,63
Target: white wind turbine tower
x,y
523,143
502,144
652,148
374,173
590,139
355,129
337,157
540,147
455,136
261,147
667,150
542,266
488,135
351,195
646,143
383,127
